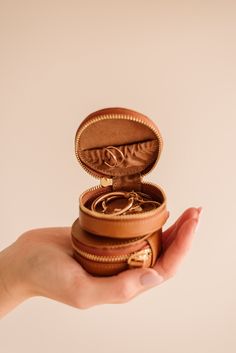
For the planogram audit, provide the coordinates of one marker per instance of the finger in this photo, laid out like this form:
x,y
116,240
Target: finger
x,y
167,238
189,213
169,262
170,234
124,286
119,288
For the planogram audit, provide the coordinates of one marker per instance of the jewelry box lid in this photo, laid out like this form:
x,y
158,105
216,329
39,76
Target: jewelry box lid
x,y
117,142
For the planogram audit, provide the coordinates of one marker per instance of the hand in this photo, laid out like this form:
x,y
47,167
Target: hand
x,y
40,263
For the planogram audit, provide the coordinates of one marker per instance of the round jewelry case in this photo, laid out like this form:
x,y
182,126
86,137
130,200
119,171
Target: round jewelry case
x,y
103,256
117,218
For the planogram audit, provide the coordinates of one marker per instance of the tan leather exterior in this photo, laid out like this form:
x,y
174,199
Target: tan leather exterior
x,y
122,145
155,243
110,247
126,226
123,228
103,243
100,269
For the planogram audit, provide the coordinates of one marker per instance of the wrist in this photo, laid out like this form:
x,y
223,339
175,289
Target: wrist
x,y
13,286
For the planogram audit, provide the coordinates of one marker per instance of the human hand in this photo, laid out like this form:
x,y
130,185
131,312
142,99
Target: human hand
x,y
41,263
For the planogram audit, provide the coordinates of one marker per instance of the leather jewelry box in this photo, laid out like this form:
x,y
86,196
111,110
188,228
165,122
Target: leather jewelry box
x,y
120,221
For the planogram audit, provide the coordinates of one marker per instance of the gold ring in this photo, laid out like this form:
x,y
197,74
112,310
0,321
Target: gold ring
x,y
117,163
114,157
154,202
112,195
135,202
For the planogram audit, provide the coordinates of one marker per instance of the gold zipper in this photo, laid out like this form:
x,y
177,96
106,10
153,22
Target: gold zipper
x,y
117,116
139,258
136,259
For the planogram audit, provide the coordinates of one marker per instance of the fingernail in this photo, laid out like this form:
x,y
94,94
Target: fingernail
x,y
151,279
200,209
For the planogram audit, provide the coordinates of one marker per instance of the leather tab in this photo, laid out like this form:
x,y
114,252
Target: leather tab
x,y
127,182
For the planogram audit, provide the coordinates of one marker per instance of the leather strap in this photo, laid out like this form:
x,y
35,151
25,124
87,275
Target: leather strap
x,y
123,228
155,243
98,242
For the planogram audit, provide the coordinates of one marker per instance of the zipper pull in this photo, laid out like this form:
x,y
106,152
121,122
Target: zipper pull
x,y
105,182
140,258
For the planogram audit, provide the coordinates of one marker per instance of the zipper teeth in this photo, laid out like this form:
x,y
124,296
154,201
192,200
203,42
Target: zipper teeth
x,y
85,209
102,258
125,241
110,117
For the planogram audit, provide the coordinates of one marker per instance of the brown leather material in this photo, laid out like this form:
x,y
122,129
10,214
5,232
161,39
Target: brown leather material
x,y
137,157
103,243
100,269
102,251
126,226
119,145
127,182
155,243
123,228
134,134
107,250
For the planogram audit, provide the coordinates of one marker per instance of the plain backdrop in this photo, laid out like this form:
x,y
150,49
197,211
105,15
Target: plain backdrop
x,y
171,60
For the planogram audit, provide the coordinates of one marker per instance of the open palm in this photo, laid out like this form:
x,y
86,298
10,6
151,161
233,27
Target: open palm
x,y
45,263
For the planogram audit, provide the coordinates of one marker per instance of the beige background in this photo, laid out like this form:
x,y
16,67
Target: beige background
x,y
175,62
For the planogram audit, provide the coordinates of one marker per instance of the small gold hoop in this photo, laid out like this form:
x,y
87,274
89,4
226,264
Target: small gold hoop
x,y
135,202
114,157
150,202
112,195
117,163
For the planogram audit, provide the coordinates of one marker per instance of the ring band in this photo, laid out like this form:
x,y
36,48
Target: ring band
x,y
117,163
135,202
114,157
113,195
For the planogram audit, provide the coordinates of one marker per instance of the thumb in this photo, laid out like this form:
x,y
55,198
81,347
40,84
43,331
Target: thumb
x,y
122,287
